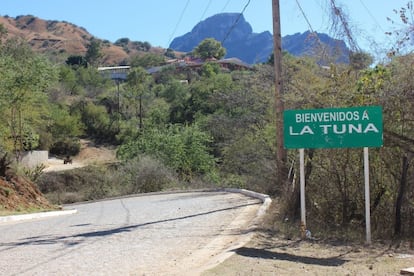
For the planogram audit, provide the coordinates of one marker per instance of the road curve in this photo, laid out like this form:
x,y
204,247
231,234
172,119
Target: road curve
x,y
165,234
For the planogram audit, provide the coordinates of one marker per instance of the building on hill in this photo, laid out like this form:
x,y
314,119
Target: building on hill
x,y
120,73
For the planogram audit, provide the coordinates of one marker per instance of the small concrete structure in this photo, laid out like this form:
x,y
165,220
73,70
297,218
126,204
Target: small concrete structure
x,y
33,158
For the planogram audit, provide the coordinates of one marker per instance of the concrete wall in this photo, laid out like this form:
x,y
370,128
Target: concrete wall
x,y
33,158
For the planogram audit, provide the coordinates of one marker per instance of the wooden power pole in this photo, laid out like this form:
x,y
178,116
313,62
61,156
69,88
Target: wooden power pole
x,y
281,155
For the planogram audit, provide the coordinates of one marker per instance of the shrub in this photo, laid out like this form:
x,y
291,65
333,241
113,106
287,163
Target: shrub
x,y
182,148
144,174
66,147
88,183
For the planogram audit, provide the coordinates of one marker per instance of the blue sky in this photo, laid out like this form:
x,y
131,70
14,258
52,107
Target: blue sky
x,y
158,21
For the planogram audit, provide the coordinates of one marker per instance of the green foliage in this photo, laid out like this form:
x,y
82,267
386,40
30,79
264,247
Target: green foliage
x,y
138,93
203,95
209,48
69,81
142,46
170,53
210,69
34,173
360,60
122,41
77,61
370,82
89,183
147,60
65,147
5,163
65,124
97,121
30,138
94,52
23,98
176,95
91,81
144,174
182,148
158,114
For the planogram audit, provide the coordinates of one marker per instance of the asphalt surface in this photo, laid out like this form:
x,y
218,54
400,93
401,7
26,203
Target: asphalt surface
x,y
165,234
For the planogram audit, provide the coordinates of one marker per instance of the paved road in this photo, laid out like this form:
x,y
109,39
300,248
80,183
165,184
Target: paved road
x,y
164,234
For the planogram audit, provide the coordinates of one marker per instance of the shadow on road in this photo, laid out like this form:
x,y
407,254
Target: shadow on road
x,y
266,254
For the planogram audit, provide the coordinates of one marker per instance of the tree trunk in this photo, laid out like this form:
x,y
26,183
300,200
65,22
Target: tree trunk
x,y
140,112
400,197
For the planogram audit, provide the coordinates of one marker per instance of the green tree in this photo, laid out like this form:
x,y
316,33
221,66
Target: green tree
x,y
77,61
98,123
23,86
94,52
147,60
137,87
176,95
209,48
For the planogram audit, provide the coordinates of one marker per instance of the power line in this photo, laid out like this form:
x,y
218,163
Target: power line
x,y
313,33
235,22
304,16
371,15
179,21
205,10
225,5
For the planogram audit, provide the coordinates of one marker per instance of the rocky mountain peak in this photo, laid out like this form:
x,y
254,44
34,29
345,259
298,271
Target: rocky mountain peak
x,y
241,42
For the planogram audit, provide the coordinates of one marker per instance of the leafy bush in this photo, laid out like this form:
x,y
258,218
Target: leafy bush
x,y
5,163
98,122
182,148
66,147
144,174
89,183
141,175
34,173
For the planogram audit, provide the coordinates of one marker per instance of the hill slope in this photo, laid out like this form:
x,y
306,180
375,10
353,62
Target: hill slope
x,y
61,39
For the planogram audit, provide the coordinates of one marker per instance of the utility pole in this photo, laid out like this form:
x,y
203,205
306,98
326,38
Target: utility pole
x,y
281,155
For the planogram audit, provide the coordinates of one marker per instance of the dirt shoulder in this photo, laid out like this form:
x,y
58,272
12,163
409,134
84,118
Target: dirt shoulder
x,y
270,252
267,255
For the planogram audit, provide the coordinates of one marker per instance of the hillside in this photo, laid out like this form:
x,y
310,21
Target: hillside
x,y
20,194
62,39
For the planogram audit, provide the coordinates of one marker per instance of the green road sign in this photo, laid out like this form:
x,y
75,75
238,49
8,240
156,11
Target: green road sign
x,y
333,127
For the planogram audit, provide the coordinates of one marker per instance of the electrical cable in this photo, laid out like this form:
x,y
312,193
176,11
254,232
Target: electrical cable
x,y
225,5
372,16
179,21
235,22
313,33
304,16
205,10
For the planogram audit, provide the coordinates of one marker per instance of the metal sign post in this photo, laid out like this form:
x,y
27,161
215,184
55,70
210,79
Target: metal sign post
x,y
367,198
302,190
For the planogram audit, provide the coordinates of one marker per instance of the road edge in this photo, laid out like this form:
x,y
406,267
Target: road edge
x,y
245,237
13,218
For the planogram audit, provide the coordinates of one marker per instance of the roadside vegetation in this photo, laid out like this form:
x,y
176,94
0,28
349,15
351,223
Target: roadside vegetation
x,y
216,129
